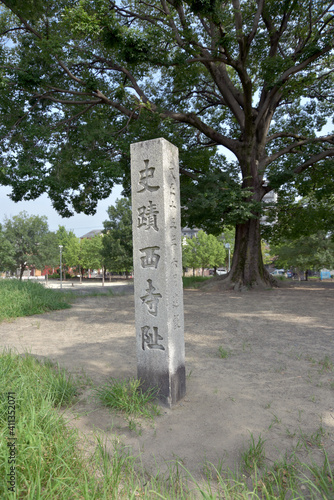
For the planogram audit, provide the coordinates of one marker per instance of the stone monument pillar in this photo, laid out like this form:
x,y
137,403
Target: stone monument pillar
x,y
157,261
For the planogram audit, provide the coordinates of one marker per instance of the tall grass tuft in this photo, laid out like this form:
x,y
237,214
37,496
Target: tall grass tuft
x,y
25,298
44,445
128,397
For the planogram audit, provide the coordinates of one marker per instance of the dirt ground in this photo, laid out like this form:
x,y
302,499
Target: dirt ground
x,y
277,380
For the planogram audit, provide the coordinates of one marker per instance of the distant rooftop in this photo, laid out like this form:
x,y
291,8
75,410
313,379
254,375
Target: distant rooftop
x,y
91,234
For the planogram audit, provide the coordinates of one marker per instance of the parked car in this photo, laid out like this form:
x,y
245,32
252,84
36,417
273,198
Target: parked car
x,y
221,270
278,272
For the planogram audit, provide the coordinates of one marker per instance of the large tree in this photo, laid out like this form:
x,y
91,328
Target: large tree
x,y
252,76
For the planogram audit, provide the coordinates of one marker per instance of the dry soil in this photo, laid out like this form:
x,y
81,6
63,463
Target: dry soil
x,y
276,382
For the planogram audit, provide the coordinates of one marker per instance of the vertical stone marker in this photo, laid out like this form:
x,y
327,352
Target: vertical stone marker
x,y
157,260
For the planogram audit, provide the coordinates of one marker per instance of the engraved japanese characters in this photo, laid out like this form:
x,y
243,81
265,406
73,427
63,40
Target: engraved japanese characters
x,y
158,268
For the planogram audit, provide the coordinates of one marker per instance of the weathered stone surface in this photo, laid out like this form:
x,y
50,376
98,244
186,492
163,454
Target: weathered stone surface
x,y
158,268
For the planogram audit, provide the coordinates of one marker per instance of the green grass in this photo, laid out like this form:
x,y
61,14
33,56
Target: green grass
x,y
25,298
44,444
53,462
254,456
326,364
127,396
194,281
223,353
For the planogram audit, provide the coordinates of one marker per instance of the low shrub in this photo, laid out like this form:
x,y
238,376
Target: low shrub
x,y
194,281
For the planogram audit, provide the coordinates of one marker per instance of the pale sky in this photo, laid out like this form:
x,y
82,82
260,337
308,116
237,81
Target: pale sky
x,y
80,224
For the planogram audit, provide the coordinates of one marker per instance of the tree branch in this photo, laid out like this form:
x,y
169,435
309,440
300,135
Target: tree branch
x,y
211,133
68,120
20,120
128,74
25,23
314,159
73,77
11,29
255,22
172,24
285,134
298,144
238,18
67,91
66,101
231,96
275,94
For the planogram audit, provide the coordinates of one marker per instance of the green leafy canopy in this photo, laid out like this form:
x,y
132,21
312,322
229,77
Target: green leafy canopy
x,y
81,80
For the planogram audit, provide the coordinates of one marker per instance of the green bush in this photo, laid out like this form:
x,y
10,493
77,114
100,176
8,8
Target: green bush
x,y
66,276
194,281
54,276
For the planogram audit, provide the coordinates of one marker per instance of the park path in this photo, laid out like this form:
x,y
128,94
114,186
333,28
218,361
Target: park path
x,y
277,380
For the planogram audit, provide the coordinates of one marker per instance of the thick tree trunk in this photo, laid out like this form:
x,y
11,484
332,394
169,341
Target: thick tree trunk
x,y
247,270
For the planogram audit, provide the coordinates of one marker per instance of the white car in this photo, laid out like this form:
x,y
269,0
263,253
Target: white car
x,y
278,272
221,270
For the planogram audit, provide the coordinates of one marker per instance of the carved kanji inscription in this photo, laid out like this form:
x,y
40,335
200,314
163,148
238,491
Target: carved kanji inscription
x,y
150,259
146,176
150,338
148,216
151,299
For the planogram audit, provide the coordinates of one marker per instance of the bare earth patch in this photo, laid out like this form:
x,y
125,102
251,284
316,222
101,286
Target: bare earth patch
x,y
277,380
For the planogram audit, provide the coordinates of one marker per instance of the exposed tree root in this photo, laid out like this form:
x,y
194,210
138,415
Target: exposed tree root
x,y
222,283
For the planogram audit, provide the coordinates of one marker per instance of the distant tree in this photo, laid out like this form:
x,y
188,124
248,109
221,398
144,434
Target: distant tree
x,y
117,241
218,250
72,253
203,250
66,239
305,253
49,250
91,253
31,239
7,253
189,253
